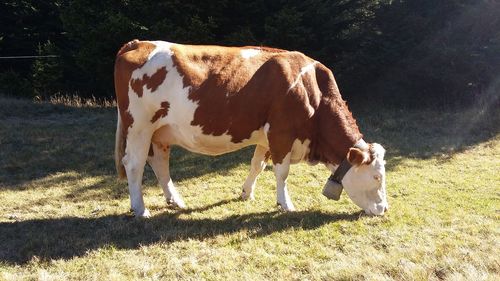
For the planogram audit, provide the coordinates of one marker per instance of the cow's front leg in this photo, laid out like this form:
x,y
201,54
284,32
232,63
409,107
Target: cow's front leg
x,y
134,160
281,172
158,159
258,164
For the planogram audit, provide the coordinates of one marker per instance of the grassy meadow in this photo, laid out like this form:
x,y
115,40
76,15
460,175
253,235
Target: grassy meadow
x,y
64,215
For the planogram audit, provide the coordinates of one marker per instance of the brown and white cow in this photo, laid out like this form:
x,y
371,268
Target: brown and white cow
x,y
213,100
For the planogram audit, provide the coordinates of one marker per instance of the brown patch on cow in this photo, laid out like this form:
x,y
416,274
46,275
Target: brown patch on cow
x,y
161,146
222,81
152,83
162,112
267,156
357,157
130,57
237,96
127,47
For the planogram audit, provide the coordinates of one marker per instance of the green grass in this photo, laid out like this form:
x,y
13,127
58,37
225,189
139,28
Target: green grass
x,y
64,214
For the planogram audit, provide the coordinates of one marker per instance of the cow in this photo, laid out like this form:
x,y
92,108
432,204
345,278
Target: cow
x,y
214,100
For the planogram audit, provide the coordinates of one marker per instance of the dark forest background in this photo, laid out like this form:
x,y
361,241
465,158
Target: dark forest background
x,y
414,53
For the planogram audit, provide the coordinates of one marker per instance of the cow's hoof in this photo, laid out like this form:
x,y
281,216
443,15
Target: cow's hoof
x,y
144,214
286,207
247,195
176,204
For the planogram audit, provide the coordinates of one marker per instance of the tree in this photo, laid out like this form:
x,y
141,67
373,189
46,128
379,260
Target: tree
x,y
47,71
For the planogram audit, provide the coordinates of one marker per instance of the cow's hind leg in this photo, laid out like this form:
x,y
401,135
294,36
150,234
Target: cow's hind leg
x,y
134,160
259,161
159,160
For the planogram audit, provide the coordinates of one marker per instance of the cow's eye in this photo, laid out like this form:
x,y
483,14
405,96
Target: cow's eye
x,y
378,178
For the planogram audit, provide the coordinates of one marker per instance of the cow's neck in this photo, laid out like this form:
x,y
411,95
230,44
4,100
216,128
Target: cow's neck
x,y
336,130
334,136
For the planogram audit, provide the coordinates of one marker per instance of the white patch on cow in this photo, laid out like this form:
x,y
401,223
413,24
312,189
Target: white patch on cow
x,y
299,150
365,184
258,164
303,71
160,57
249,53
159,162
361,144
331,167
267,126
161,47
134,160
281,171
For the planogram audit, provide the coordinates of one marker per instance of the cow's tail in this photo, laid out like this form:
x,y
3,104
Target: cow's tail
x,y
120,149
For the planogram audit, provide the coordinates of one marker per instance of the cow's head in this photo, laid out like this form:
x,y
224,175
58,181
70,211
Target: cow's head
x,y
365,181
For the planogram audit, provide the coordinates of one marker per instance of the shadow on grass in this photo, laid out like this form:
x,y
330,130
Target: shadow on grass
x,y
72,237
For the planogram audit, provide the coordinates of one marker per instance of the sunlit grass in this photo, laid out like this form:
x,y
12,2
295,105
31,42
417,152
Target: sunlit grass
x,y
64,215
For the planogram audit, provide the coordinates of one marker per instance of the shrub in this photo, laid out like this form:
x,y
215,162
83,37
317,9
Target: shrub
x,y
14,84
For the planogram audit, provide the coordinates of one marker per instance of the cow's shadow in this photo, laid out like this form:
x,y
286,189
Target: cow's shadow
x,y
70,237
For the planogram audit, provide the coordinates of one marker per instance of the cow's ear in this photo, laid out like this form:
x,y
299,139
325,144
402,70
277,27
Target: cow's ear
x,y
357,157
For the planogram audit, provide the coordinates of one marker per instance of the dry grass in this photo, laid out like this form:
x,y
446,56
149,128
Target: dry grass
x,y
63,214
76,101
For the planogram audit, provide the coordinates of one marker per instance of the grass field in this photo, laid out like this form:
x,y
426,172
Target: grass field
x,y
64,215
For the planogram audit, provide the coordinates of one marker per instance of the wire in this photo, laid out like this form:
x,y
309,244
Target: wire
x,y
29,57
